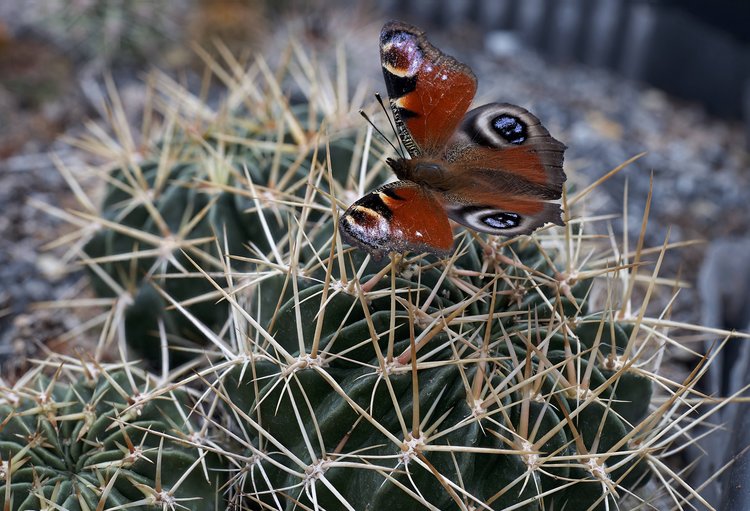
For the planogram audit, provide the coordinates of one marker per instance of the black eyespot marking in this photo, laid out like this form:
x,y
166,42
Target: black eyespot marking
x,y
502,220
373,202
352,232
399,86
405,114
511,128
389,35
391,192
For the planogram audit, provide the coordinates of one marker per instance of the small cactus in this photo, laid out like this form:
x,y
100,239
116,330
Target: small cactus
x,y
503,403
79,440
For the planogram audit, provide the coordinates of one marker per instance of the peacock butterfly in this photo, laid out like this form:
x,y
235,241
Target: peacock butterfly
x,y
495,168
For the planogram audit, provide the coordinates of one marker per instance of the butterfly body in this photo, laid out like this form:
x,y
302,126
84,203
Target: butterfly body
x,y
495,168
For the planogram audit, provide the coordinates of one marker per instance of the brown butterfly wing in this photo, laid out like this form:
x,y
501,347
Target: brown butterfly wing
x,y
429,91
397,217
506,170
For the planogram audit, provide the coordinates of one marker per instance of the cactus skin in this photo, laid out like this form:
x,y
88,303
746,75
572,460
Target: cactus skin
x,y
219,217
338,418
176,202
64,446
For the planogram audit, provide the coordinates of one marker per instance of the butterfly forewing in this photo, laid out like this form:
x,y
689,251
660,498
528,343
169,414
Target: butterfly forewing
x,y
398,217
429,91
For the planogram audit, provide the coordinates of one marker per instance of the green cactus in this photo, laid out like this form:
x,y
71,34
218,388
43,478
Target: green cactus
x,y
490,380
102,442
198,199
108,32
509,412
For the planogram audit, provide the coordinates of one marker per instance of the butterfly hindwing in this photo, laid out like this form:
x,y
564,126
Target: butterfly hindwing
x,y
397,217
515,141
429,91
511,218
507,169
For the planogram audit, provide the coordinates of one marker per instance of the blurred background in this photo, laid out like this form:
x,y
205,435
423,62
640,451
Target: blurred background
x,y
610,78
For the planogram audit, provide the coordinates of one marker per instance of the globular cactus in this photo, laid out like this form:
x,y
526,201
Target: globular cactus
x,y
110,440
437,390
103,33
230,187
494,379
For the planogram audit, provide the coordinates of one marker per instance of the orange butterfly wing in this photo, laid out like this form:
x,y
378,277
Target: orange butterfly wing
x,y
397,217
495,168
429,91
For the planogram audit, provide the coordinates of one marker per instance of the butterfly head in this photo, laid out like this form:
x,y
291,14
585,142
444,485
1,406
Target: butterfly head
x,y
400,166
406,168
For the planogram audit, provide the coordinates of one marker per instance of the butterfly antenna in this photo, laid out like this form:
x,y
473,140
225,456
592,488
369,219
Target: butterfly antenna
x,y
386,111
377,130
